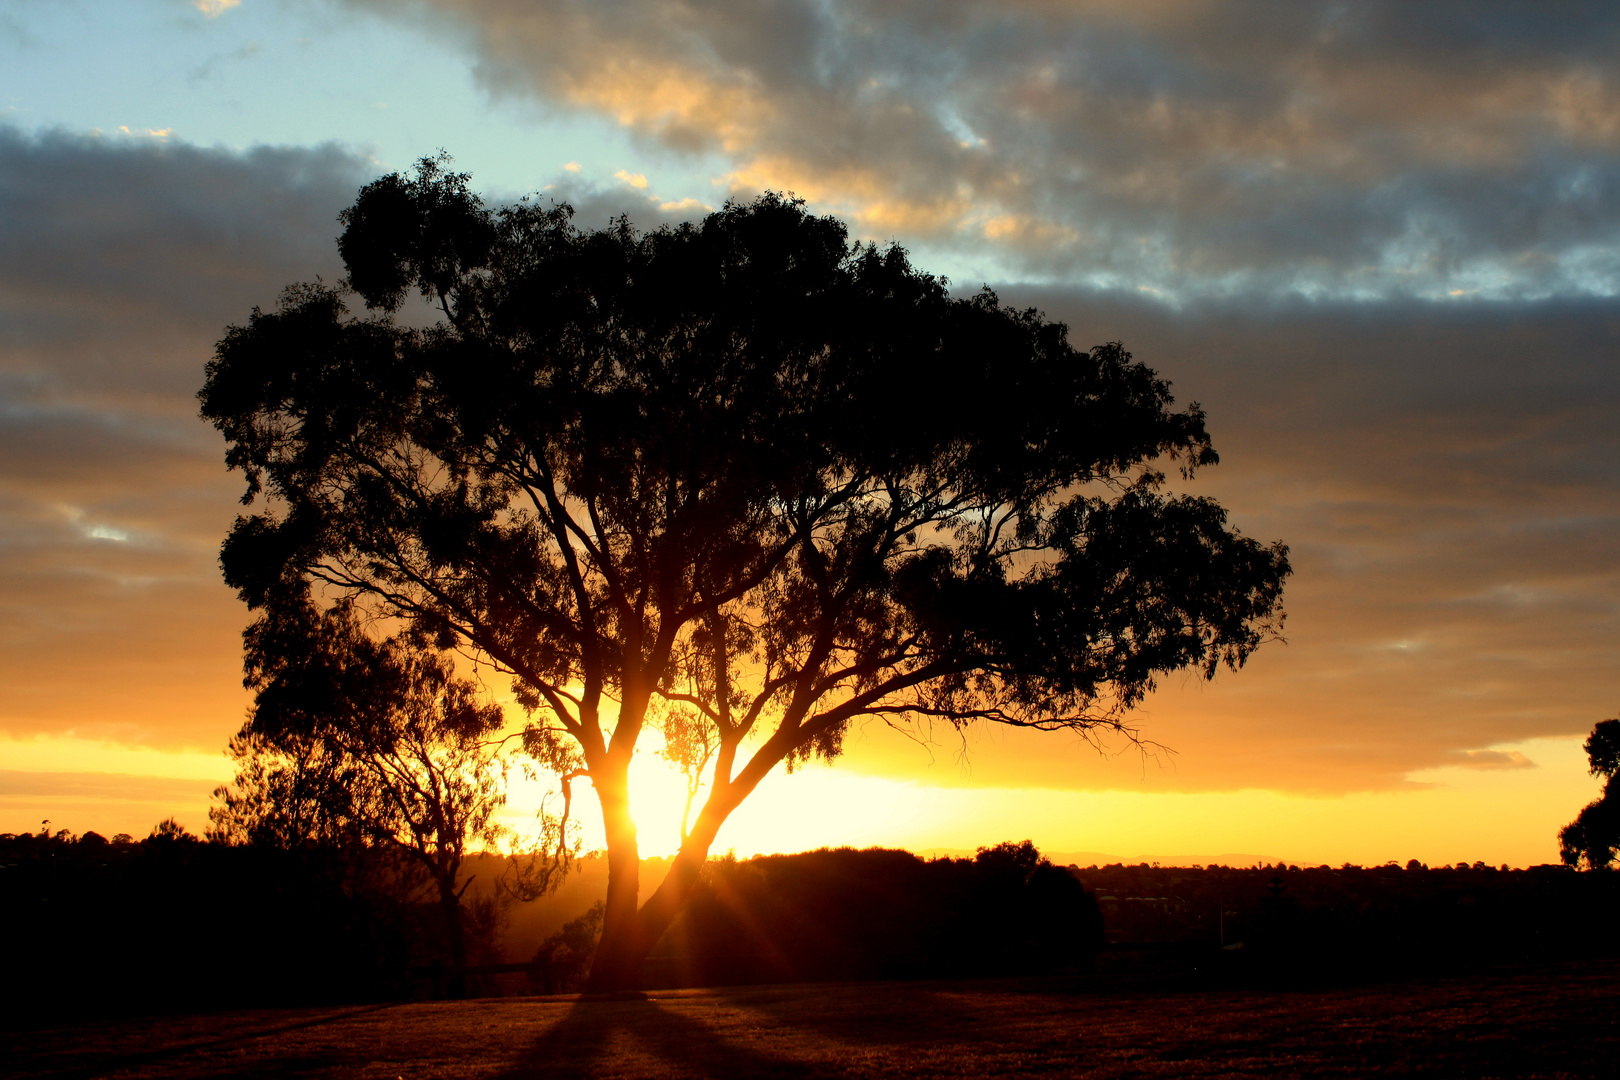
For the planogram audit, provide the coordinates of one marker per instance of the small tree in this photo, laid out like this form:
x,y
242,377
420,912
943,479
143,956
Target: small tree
x,y
359,741
744,467
1593,837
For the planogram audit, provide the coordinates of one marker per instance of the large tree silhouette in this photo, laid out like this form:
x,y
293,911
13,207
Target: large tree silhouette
x,y
743,468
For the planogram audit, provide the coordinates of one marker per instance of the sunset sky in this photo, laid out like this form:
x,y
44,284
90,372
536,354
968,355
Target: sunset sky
x,y
1380,243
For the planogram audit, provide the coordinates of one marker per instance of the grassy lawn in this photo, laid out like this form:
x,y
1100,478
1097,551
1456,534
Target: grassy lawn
x,y
1546,1021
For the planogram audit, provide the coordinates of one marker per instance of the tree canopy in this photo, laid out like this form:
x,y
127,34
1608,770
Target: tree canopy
x,y
358,741
1594,836
744,470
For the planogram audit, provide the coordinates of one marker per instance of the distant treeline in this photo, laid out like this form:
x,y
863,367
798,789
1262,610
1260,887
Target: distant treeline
x,y
887,914
172,922
1347,921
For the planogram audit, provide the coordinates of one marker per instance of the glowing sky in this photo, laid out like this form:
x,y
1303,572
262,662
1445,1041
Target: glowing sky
x,y
1379,242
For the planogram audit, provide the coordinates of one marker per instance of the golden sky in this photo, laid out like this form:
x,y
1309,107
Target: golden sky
x,y
1380,243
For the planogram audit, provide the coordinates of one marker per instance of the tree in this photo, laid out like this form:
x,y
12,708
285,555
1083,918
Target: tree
x,y
744,467
1592,838
355,741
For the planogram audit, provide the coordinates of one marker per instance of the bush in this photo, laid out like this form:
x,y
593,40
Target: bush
x,y
879,914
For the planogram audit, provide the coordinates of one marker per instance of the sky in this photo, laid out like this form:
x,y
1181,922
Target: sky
x,y
1378,242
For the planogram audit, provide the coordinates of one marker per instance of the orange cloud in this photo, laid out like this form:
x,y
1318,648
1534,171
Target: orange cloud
x,y
672,102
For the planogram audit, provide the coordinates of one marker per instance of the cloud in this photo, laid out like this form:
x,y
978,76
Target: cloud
x,y
685,207
121,262
213,9
1492,759
1447,474
635,180
102,786
596,203
1215,148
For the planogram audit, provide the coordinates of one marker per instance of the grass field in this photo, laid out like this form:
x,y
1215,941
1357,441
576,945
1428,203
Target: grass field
x,y
1548,1021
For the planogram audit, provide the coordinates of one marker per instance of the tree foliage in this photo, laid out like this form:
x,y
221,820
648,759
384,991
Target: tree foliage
x,y
744,467
1594,836
358,741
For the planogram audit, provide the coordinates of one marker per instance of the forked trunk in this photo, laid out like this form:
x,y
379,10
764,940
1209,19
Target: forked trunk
x,y
623,950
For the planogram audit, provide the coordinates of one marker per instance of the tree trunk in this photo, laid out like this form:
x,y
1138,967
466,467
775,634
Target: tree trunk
x,y
624,947
455,934
621,952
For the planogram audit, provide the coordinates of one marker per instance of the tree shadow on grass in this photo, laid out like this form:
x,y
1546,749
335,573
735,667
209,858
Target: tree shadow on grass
x,y
94,1065
598,1039
1067,1022
895,1014
850,1029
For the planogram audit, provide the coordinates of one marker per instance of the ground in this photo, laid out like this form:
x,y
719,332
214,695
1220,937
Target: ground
x,y
1547,1021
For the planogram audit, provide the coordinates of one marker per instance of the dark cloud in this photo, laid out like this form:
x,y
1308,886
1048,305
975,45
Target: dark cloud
x,y
121,262
117,253
1207,148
